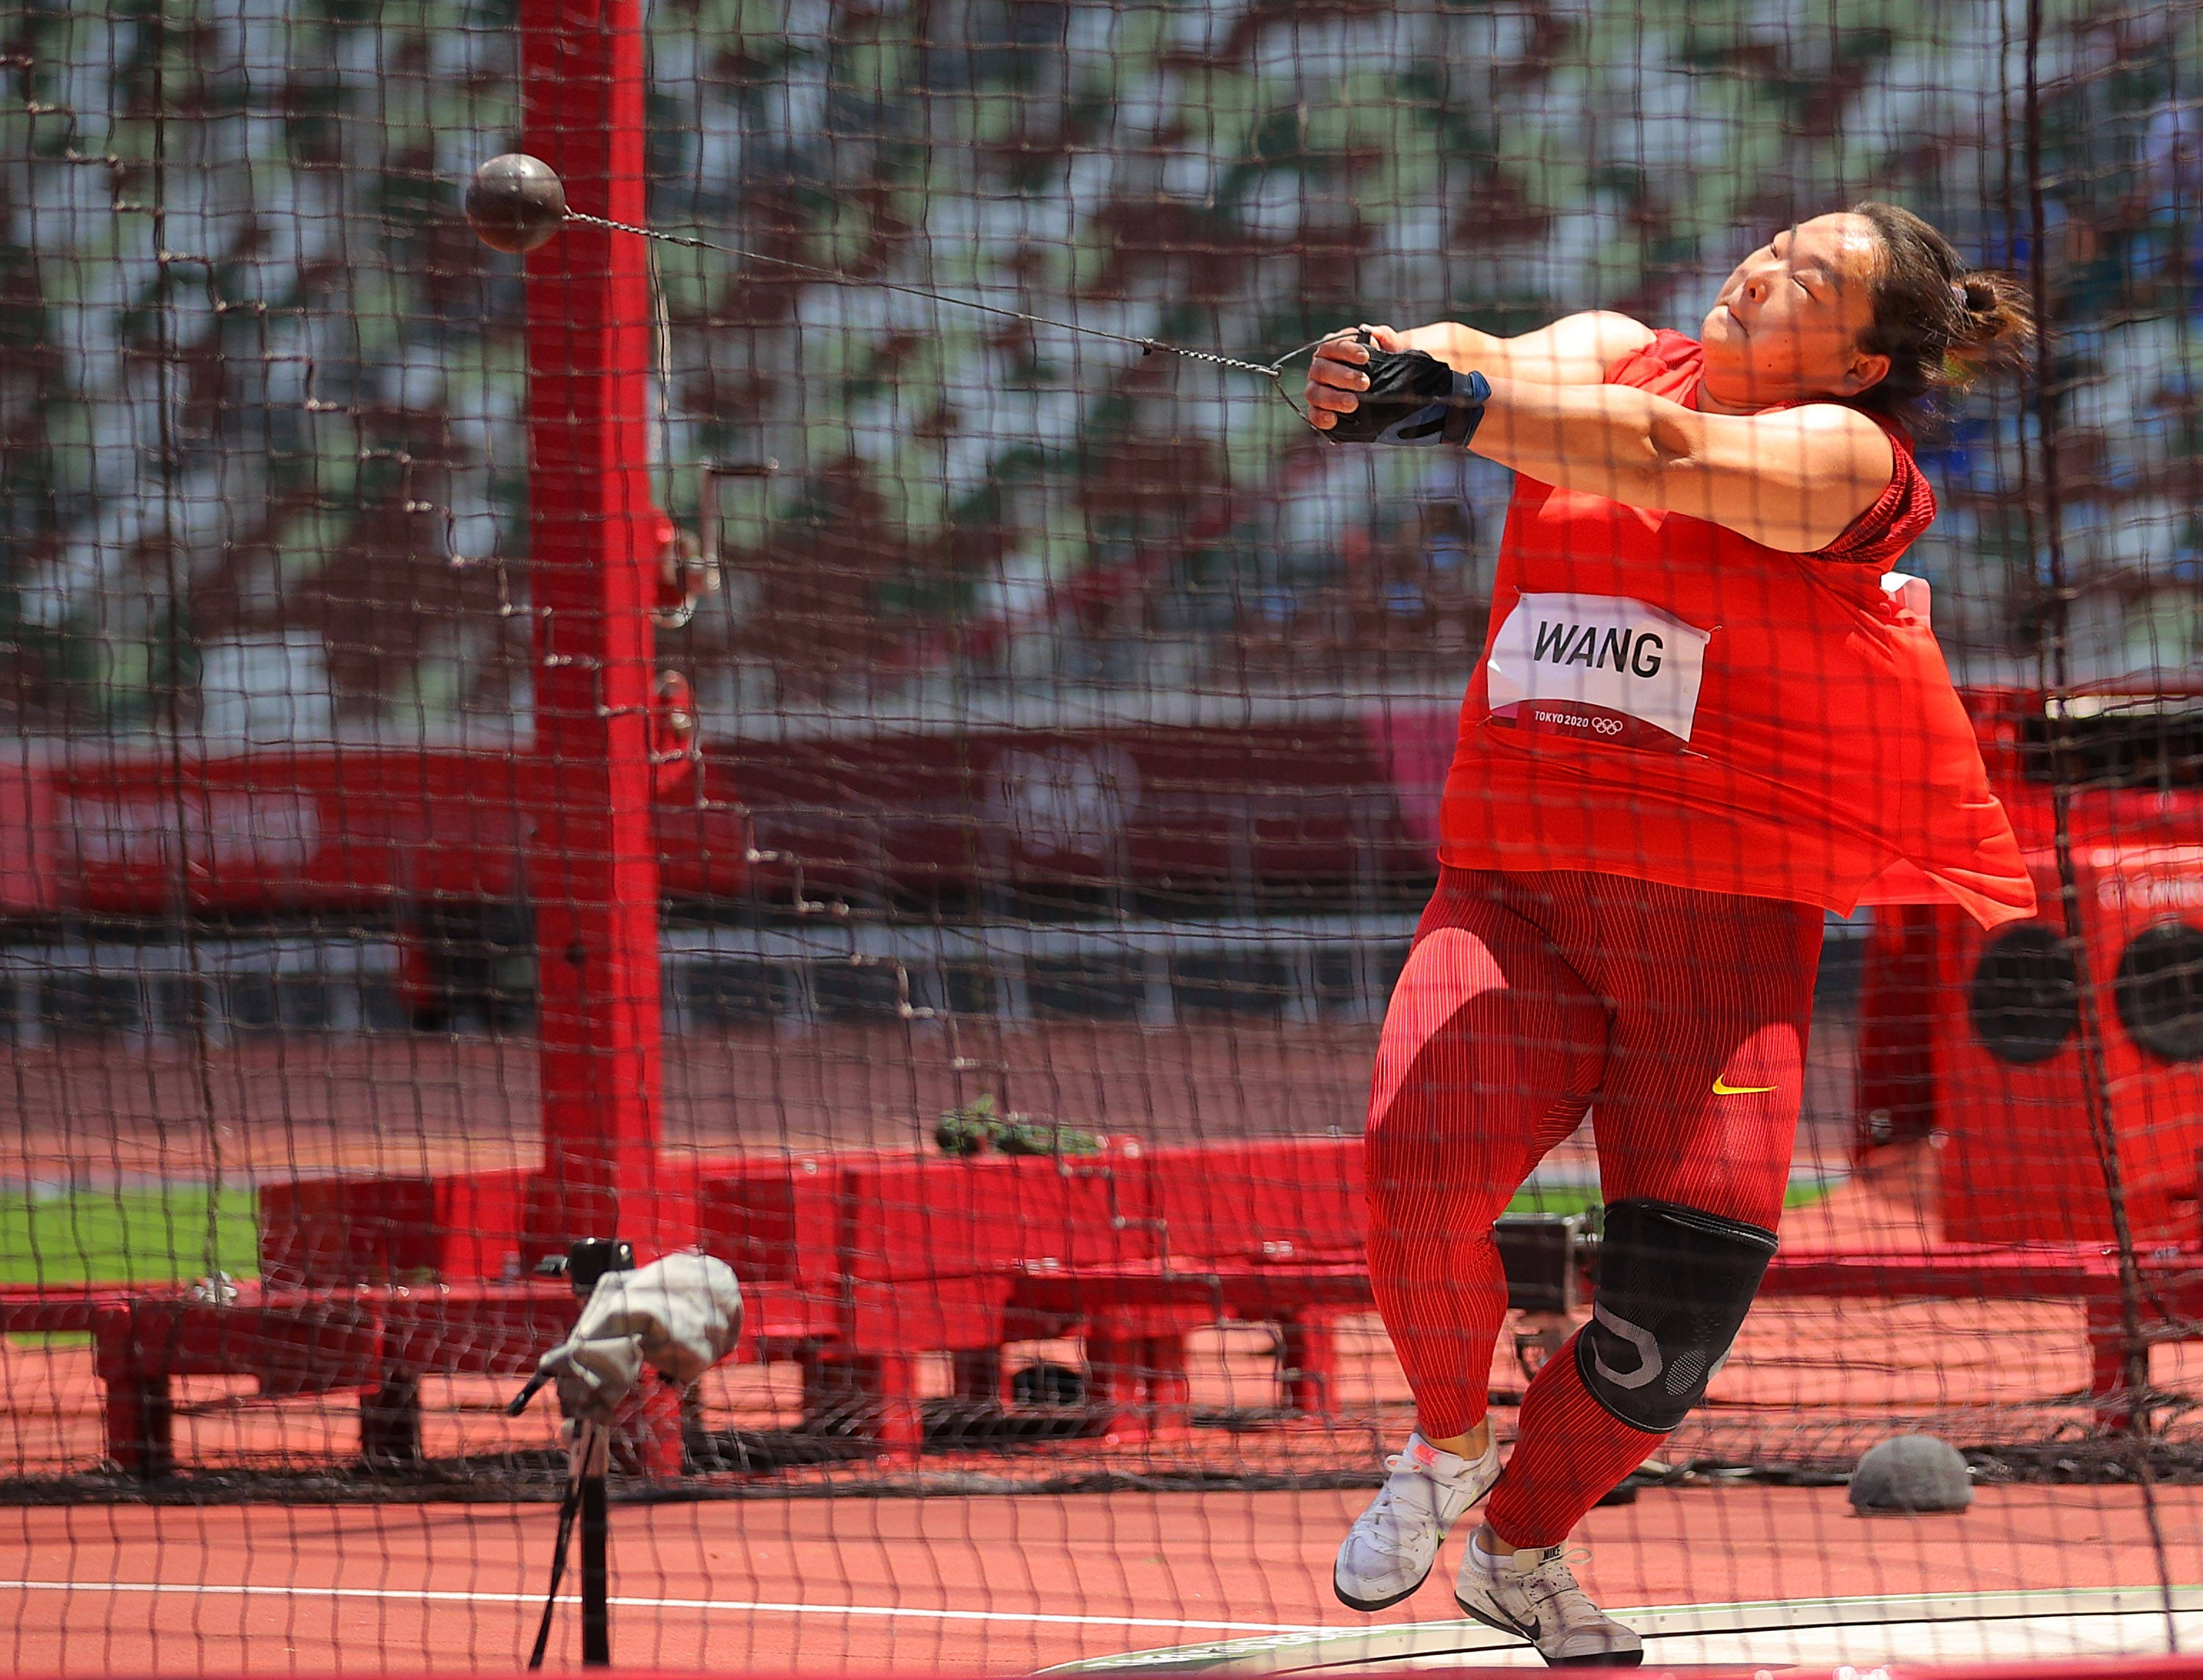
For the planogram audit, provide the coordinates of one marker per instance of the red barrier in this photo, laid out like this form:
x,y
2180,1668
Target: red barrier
x,y
1347,796
878,1260
309,828
858,1265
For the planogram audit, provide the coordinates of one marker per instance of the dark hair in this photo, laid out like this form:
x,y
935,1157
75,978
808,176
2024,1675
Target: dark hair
x,y
1941,324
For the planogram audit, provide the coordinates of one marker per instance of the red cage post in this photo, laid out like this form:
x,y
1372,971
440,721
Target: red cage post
x,y
591,865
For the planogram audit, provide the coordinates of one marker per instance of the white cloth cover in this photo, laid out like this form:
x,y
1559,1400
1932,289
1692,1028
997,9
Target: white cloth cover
x,y
682,1314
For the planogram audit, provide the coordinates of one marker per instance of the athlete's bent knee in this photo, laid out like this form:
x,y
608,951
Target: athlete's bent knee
x,y
1673,1286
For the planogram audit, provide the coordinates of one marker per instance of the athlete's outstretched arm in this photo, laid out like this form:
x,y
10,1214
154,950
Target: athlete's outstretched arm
x,y
1575,350
1794,479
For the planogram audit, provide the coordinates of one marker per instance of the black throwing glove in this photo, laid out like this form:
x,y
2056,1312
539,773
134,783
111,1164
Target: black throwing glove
x,y
1413,398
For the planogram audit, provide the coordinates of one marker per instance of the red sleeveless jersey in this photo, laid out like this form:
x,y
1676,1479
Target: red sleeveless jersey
x,y
1663,699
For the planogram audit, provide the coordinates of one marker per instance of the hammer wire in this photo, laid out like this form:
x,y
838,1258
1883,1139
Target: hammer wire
x,y
1272,371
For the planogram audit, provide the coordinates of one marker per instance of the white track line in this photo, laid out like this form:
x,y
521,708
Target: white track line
x,y
743,1607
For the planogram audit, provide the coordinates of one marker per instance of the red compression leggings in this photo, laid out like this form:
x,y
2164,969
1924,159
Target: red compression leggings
x,y
1527,1001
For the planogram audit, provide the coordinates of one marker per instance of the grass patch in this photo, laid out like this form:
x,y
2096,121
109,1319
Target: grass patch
x,y
126,1236
1578,1198
1554,1199
160,1235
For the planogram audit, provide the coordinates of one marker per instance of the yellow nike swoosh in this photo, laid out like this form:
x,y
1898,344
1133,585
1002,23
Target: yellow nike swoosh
x,y
1723,1089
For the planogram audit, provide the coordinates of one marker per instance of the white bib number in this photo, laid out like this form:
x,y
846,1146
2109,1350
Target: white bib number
x,y
1597,667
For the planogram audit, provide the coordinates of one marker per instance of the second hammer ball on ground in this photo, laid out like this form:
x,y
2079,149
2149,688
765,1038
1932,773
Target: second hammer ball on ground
x,y
516,202
1910,1474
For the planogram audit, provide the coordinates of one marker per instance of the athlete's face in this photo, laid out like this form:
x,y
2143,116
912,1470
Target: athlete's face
x,y
1789,320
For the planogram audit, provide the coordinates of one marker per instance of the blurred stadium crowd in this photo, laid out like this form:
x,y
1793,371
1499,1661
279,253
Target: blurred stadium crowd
x,y
270,488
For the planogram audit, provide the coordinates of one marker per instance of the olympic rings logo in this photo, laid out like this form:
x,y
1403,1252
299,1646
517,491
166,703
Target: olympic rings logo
x,y
1607,726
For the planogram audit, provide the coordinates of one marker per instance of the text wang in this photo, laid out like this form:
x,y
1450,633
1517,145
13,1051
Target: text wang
x,y
1633,653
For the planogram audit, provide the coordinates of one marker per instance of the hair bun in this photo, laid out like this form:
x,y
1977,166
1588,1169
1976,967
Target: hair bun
x,y
1976,296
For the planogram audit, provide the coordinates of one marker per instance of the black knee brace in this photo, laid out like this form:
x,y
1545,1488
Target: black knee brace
x,y
1673,1286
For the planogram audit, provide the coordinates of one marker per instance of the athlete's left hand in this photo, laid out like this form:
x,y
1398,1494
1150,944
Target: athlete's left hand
x,y
1409,397
1335,379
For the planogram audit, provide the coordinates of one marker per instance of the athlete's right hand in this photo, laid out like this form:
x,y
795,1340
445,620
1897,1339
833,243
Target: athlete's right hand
x,y
1335,377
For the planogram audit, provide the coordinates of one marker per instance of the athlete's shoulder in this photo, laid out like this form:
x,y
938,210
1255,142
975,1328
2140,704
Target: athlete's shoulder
x,y
1659,357
1610,333
1904,509
1576,350
1899,436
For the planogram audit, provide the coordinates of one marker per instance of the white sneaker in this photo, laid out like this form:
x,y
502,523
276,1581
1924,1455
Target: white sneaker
x,y
1389,1551
1535,1595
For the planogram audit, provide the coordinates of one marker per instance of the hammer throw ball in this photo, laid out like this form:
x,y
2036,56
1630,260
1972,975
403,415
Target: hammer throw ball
x,y
515,202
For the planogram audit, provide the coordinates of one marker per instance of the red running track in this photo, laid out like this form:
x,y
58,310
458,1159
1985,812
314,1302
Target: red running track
x,y
968,1583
